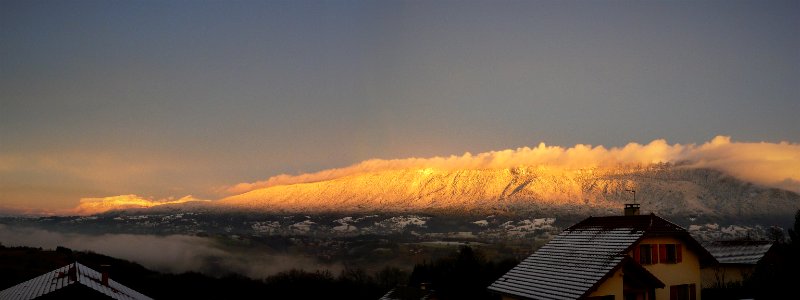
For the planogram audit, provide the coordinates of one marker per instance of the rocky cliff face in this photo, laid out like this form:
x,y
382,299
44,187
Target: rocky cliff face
x,y
661,188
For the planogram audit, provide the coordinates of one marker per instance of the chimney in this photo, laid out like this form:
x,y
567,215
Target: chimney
x,y
631,209
72,273
104,274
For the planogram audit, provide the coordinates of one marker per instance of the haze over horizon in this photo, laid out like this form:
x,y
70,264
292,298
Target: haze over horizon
x,y
169,99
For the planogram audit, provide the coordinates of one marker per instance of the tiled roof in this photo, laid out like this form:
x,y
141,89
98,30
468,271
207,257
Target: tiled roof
x,y
569,265
573,263
738,252
653,226
650,223
74,273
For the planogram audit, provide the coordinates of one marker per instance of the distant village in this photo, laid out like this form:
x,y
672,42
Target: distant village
x,y
633,257
629,256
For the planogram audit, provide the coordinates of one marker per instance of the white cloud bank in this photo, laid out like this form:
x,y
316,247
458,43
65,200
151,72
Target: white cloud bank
x,y
770,164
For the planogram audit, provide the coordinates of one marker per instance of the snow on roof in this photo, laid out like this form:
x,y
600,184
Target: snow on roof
x,y
738,252
651,223
74,273
569,265
575,261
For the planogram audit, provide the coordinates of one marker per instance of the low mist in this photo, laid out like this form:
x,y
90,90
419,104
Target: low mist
x,y
171,254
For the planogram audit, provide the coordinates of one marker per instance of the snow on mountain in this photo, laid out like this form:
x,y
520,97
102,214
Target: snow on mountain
x,y
88,206
661,188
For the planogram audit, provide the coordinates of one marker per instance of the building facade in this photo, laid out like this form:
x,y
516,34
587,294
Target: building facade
x,y
637,257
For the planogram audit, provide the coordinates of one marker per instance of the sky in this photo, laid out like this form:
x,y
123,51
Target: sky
x,y
173,98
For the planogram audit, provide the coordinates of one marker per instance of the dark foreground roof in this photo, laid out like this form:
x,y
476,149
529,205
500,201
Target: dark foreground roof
x,y
739,252
570,265
653,226
66,276
651,223
581,257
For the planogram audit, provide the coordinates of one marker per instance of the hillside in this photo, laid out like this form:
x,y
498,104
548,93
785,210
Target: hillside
x,y
23,263
661,188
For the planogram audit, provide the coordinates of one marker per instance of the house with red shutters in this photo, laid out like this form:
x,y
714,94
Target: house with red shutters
x,y
636,257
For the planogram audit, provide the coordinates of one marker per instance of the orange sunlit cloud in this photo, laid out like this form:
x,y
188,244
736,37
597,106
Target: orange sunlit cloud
x,y
770,164
88,206
47,181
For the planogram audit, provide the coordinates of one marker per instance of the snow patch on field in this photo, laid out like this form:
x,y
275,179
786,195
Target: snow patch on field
x,y
266,227
528,226
344,225
302,227
715,232
481,223
401,222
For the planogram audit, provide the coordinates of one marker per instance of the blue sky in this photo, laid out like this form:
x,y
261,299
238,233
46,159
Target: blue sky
x,y
167,98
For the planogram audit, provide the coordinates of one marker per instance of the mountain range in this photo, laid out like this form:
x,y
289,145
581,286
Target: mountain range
x,y
662,188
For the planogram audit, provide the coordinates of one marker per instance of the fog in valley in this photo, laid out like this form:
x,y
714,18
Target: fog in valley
x,y
170,253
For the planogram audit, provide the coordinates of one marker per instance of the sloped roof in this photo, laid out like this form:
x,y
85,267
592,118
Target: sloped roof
x,y
651,223
739,252
653,226
74,273
573,263
570,264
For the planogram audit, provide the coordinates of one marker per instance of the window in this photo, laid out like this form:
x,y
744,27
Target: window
x,y
670,253
646,254
683,292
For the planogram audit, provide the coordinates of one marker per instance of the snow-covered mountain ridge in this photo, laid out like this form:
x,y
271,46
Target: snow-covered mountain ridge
x,y
661,188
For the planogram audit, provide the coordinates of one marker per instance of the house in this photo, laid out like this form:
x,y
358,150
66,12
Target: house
x,y
73,281
633,256
738,260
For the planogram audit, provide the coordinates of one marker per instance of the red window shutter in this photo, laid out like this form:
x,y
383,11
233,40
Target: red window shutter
x,y
673,292
662,252
654,253
636,256
678,253
692,292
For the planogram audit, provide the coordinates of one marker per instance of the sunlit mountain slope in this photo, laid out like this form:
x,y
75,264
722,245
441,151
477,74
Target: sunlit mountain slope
x,y
661,188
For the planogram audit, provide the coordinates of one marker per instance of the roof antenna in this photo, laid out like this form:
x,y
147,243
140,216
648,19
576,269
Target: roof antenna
x,y
634,195
632,209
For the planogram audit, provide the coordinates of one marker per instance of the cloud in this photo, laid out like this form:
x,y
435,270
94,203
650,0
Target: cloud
x,y
91,167
172,253
88,206
770,164
55,180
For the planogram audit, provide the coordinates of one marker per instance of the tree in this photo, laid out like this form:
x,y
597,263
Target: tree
x,y
775,234
794,232
390,277
462,275
776,274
